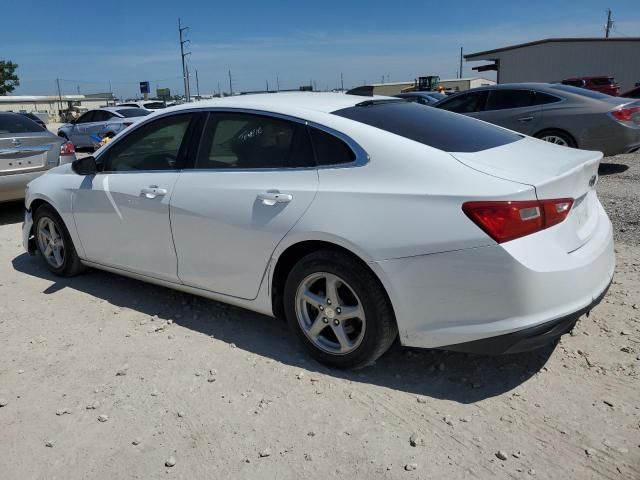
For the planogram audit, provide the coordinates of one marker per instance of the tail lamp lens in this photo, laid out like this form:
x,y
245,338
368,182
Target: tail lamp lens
x,y
627,115
505,221
67,148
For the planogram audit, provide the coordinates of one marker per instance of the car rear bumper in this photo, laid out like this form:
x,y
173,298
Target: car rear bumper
x,y
12,186
474,294
529,338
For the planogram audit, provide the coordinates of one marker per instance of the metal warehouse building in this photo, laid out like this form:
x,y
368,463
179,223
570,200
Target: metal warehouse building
x,y
554,59
51,105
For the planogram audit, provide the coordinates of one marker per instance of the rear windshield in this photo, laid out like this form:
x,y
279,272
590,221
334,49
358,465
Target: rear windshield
x,y
13,123
154,105
581,91
431,126
133,112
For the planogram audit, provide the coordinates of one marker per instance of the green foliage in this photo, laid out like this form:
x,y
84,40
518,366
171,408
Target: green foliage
x,y
8,78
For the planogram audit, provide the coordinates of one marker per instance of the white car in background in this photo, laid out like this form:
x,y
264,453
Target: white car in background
x,y
357,220
92,126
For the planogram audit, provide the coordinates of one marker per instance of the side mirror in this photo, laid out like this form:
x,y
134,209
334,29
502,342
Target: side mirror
x,y
85,166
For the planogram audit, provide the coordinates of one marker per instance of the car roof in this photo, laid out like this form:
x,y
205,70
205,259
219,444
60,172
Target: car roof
x,y
285,102
114,109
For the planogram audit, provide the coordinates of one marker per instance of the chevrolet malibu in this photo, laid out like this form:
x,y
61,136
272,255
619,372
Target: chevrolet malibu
x,y
357,221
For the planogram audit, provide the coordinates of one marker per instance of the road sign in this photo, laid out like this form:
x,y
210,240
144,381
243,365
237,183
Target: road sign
x,y
144,87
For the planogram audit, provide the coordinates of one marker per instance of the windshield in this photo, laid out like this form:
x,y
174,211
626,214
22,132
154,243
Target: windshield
x,y
13,123
581,91
133,112
154,105
430,126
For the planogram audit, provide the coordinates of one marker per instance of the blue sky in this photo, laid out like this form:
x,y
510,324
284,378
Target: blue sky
x,y
124,42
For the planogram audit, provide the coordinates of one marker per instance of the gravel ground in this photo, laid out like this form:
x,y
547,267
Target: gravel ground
x,y
107,377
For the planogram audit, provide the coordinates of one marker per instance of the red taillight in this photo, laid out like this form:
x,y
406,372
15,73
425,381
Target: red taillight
x,y
505,221
67,148
628,115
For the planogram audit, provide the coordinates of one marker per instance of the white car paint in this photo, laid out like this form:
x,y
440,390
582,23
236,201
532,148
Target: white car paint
x,y
400,212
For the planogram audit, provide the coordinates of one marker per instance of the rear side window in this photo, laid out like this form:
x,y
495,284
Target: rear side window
x,y
430,126
329,149
247,141
17,124
504,99
602,81
544,98
133,112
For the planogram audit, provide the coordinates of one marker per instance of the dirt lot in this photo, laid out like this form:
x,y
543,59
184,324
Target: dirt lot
x,y
225,392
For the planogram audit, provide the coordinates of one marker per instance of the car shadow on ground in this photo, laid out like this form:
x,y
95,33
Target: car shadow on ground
x,y
454,376
11,212
612,168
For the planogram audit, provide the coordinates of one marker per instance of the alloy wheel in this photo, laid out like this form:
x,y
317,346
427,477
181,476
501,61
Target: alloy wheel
x,y
330,313
555,139
51,242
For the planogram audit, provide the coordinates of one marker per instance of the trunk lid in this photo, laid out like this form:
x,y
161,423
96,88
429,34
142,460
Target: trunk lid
x,y
554,172
26,152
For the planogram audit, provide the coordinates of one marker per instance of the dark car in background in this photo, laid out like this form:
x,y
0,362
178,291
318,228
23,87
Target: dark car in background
x,y
35,118
602,84
561,114
633,93
424,98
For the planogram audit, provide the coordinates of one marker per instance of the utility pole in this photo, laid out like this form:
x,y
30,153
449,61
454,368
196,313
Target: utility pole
x,y
341,82
278,83
267,82
230,84
188,93
219,92
185,74
197,84
59,95
607,28
460,71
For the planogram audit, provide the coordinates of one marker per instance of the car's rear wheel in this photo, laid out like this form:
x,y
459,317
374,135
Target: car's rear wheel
x,y
557,137
54,243
339,310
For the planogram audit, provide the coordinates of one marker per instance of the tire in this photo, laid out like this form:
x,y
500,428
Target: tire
x,y
368,328
558,137
63,259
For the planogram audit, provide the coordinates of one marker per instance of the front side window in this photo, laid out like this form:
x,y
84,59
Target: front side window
x,y
155,146
247,141
504,99
465,103
101,116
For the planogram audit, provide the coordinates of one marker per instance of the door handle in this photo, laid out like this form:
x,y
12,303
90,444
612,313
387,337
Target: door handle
x,y
525,119
274,196
153,191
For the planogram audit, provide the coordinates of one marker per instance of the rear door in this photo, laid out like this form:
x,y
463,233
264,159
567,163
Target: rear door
x,y
470,103
78,133
514,109
98,123
122,213
253,179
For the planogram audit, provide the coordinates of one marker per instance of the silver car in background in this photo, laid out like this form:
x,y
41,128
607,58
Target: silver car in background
x,y
91,127
561,114
27,151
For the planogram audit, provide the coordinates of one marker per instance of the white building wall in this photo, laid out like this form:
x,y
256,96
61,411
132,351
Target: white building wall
x,y
555,61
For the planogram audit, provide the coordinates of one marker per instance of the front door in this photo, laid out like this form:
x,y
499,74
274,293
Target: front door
x,y
122,213
254,178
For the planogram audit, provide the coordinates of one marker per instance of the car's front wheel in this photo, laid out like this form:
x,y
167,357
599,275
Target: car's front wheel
x,y
339,310
54,243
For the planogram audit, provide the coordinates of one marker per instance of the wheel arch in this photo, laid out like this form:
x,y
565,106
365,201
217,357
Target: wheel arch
x,y
292,253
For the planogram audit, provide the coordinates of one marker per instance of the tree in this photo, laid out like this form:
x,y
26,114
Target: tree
x,y
8,78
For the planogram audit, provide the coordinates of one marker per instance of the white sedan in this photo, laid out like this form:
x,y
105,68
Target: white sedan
x,y
358,220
